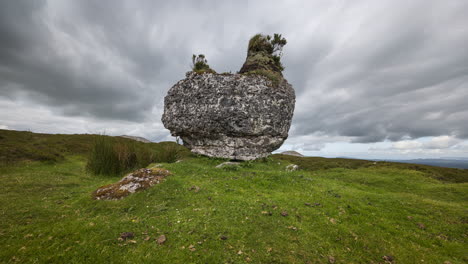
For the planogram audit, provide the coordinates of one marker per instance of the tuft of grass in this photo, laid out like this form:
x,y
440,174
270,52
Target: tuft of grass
x,y
114,156
200,64
169,153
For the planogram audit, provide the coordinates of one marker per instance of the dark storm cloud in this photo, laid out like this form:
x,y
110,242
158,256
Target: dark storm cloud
x,y
364,70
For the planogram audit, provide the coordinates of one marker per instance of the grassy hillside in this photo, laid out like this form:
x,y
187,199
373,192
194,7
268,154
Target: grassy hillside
x,y
21,146
330,211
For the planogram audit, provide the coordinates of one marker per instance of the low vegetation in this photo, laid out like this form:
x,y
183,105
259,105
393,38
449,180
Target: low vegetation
x,y
107,155
264,57
200,64
115,156
328,211
267,48
264,54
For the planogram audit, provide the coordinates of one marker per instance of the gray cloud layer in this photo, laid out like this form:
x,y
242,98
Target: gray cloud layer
x,y
367,71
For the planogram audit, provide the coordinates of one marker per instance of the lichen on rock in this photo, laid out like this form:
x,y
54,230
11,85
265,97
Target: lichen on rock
x,y
136,181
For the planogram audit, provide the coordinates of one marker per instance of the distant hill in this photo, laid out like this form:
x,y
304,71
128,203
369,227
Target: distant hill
x,y
141,139
448,163
292,153
455,162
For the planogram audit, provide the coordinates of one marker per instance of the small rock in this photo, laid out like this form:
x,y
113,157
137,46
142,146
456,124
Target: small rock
x,y
421,225
192,248
284,213
388,259
331,259
239,252
194,188
266,213
292,228
161,239
228,163
126,235
292,167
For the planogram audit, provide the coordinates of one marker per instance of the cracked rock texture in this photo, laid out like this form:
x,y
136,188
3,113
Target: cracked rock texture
x,y
235,116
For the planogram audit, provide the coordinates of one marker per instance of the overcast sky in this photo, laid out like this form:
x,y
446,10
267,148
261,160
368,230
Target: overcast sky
x,y
383,79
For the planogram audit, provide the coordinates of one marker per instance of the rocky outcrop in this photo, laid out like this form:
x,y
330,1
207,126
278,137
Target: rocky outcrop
x,y
136,181
235,116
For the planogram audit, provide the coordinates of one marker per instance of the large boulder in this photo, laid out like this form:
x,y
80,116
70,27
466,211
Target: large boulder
x,y
235,116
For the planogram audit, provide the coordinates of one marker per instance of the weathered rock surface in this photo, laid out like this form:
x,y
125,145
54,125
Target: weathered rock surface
x,y
136,181
235,116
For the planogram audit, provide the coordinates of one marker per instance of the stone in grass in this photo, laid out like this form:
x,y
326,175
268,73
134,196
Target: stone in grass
x,y
228,164
136,181
388,259
126,235
292,167
161,239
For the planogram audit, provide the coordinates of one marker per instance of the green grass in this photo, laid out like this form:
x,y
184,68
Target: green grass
x,y
115,156
365,212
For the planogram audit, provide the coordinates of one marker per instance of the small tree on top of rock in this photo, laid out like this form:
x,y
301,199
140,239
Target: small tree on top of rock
x,y
200,64
264,57
267,46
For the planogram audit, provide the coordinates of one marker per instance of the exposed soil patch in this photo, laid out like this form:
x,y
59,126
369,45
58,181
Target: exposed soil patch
x,y
136,181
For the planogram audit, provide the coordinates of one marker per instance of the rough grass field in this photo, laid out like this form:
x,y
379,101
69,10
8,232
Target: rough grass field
x,y
354,212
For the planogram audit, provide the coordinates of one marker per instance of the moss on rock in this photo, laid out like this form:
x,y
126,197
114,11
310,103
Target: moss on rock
x,y
136,181
261,58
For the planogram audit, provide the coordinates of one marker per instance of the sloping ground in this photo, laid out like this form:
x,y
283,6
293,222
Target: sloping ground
x,y
317,163
334,210
19,146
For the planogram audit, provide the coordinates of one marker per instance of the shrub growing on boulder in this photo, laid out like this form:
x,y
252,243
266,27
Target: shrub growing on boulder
x,y
200,64
264,54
